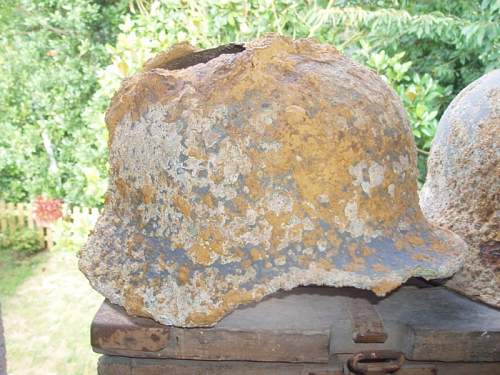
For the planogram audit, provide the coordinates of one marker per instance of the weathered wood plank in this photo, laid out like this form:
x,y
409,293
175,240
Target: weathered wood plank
x,y
29,216
109,365
453,346
21,215
11,215
131,366
309,324
114,332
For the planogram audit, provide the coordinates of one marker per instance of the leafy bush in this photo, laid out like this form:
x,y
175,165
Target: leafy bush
x,y
21,241
50,51
62,60
71,235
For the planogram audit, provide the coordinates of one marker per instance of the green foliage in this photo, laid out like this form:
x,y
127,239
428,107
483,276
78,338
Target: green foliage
x,y
71,235
14,270
60,65
23,242
49,53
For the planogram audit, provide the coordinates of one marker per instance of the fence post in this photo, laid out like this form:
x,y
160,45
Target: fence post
x,y
11,219
29,215
49,239
3,219
21,214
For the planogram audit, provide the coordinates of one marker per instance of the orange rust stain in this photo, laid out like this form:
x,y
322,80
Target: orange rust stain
x,y
197,153
311,237
296,231
135,240
438,245
325,264
175,52
254,185
277,222
182,205
130,98
357,262
255,254
210,242
205,318
107,198
241,204
334,240
217,177
229,301
304,260
415,240
208,199
385,286
214,237
155,282
122,187
183,275
379,267
162,262
400,244
355,266
420,257
177,245
366,251
148,193
200,254
134,302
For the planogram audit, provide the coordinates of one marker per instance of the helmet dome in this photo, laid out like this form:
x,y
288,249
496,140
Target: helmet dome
x,y
239,171
462,188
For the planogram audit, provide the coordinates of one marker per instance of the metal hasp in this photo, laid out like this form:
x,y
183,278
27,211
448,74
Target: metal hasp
x,y
367,326
376,362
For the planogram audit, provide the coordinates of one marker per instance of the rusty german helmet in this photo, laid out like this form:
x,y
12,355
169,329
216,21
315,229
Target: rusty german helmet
x,y
462,191
242,170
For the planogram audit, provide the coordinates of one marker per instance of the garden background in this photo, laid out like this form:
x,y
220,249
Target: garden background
x,y
62,60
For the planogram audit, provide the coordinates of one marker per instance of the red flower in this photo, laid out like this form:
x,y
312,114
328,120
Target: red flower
x,y
46,211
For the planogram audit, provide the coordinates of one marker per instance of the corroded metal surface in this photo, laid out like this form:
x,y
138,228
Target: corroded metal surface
x,y
462,191
281,165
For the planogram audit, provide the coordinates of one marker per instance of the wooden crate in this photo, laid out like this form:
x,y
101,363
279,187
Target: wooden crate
x,y
309,330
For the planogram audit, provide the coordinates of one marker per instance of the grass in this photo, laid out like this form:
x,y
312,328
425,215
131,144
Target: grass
x,y
47,307
14,270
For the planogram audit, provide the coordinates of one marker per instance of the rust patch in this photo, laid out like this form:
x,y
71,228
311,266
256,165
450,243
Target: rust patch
x,y
148,193
183,275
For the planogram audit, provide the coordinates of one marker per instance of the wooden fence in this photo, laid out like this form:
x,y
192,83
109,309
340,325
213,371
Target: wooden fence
x,y
13,215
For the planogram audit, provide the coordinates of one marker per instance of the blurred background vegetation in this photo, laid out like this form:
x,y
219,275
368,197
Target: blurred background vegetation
x,y
62,60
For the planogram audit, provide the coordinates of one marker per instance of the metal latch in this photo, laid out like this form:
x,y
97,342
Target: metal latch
x,y
367,325
376,362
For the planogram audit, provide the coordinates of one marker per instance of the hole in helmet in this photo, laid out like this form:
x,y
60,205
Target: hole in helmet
x,y
202,57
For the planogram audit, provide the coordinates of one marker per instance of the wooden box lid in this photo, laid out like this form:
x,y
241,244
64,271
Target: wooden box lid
x,y
310,324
